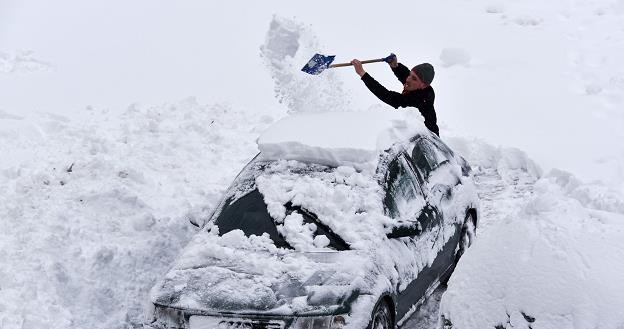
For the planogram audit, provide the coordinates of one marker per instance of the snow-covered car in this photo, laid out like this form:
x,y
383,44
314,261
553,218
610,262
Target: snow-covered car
x,y
343,220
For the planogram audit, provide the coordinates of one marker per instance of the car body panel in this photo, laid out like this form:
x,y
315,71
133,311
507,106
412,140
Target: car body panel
x,y
228,280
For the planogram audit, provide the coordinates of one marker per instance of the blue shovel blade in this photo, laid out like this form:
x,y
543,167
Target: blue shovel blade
x,y
318,64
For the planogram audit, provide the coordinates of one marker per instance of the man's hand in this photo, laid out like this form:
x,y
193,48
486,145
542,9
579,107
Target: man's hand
x,y
358,67
392,60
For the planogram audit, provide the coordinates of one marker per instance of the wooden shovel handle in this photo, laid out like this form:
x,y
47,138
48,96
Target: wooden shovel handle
x,y
363,62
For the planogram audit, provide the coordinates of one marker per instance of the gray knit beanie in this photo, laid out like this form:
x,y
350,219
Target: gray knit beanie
x,y
425,72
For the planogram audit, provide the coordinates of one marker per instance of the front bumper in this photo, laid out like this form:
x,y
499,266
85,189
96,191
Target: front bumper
x,y
169,318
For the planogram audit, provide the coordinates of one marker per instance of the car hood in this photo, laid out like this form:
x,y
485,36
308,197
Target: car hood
x,y
226,274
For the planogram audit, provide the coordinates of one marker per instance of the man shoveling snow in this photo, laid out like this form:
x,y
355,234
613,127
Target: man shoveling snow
x,y
417,90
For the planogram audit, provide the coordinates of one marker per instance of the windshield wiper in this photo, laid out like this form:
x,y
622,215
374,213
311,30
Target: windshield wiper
x,y
308,217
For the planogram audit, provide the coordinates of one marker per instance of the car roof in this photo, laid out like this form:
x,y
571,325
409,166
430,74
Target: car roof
x,y
339,138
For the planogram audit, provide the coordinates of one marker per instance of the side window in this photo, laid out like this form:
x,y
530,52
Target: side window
x,y
427,157
403,199
445,151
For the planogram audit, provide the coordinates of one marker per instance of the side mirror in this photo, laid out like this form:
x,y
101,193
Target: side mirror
x,y
427,217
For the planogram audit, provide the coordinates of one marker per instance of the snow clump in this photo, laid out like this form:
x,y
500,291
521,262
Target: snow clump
x,y
454,56
288,46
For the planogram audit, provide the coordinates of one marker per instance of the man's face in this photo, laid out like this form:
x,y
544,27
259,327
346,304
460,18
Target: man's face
x,y
413,82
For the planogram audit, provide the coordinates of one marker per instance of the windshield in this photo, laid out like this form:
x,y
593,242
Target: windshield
x,y
250,215
306,207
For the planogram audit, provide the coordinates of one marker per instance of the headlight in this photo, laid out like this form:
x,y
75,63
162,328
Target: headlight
x,y
324,322
167,318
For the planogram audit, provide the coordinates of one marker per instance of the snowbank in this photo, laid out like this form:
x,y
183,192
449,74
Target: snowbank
x,y
557,262
94,209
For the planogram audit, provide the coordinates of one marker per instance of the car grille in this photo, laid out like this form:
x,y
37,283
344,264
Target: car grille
x,y
251,324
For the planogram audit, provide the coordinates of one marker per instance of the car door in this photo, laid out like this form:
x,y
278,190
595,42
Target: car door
x,y
416,219
433,164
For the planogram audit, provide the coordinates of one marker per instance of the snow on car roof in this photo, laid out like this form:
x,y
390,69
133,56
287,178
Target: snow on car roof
x,y
338,138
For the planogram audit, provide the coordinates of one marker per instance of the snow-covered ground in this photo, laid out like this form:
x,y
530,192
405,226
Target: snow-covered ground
x,y
97,188
548,254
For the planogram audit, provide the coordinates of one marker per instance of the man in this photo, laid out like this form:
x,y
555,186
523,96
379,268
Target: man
x,y
417,91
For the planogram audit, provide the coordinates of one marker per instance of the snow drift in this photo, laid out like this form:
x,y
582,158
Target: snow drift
x,y
551,259
94,209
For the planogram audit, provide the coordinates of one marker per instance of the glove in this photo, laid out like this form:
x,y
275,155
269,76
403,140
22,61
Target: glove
x,y
390,58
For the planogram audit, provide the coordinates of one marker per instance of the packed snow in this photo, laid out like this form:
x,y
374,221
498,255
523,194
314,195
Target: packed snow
x,y
323,139
96,199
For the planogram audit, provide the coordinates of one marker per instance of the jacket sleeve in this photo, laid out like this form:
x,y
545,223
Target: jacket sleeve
x,y
401,72
391,98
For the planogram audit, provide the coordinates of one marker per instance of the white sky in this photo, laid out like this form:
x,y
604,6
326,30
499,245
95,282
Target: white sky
x,y
525,86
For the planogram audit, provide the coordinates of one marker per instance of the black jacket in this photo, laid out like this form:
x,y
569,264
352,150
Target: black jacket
x,y
420,99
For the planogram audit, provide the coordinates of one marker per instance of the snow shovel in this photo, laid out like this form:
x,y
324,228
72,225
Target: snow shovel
x,y
318,63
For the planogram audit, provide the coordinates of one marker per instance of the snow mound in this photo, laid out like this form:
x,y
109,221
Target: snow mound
x,y
22,61
94,209
325,138
288,46
593,195
527,21
454,56
506,161
494,9
555,263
